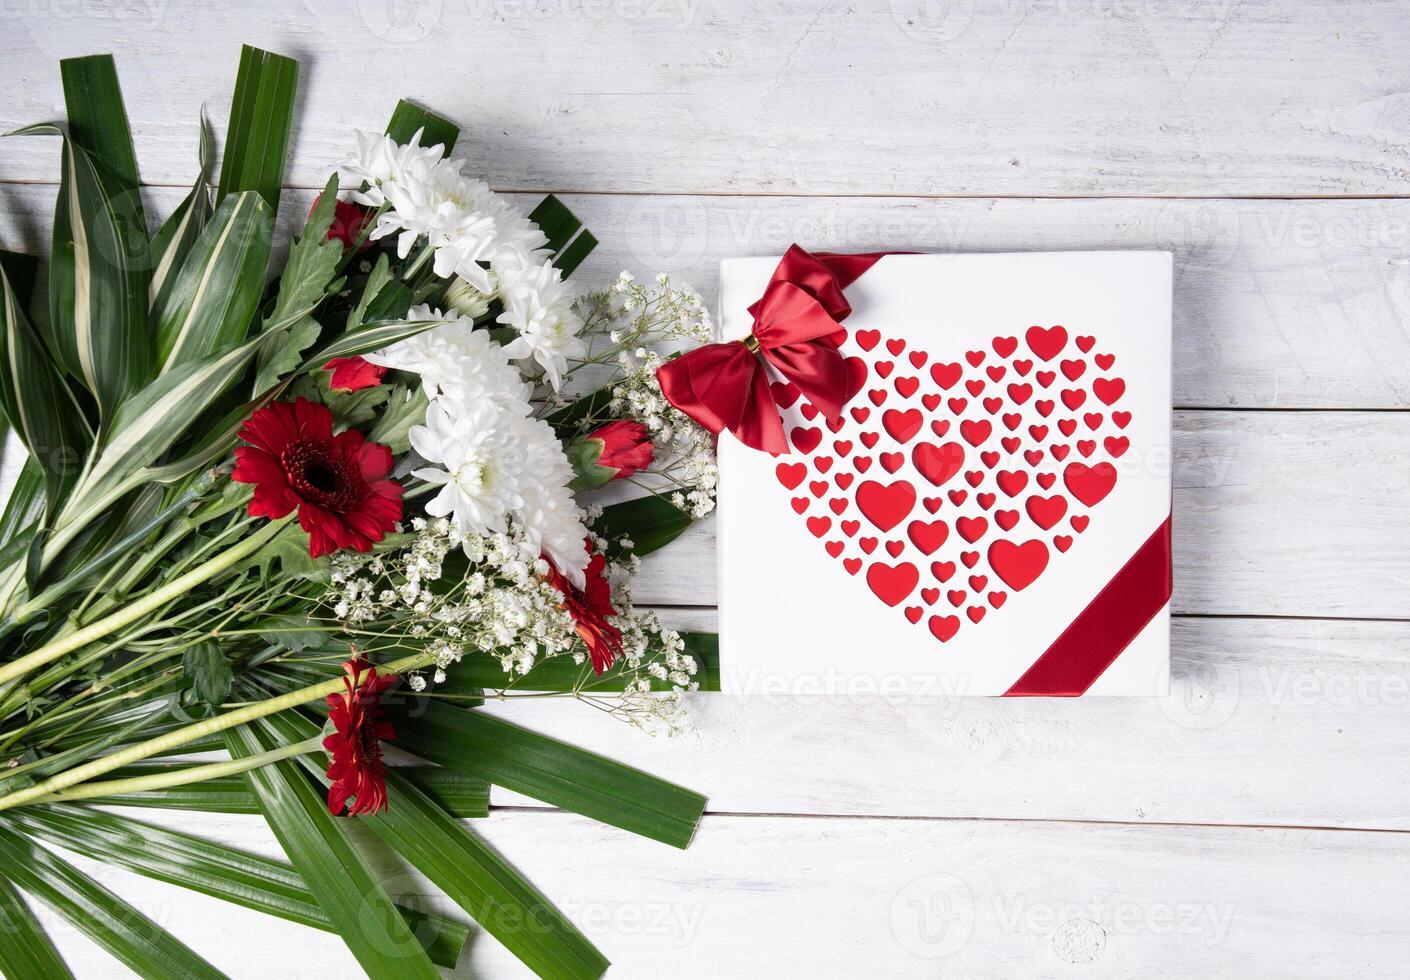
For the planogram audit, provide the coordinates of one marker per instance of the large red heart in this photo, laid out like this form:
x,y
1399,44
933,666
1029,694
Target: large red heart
x,y
1012,448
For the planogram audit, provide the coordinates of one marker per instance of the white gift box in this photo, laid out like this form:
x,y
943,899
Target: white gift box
x,y
991,510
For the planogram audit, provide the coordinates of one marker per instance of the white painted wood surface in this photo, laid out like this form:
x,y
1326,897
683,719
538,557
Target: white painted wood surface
x,y
1251,824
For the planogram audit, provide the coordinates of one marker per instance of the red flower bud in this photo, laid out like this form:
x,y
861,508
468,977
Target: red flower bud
x,y
353,373
348,223
610,452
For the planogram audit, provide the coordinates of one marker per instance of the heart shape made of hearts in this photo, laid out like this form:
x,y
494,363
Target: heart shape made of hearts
x,y
990,467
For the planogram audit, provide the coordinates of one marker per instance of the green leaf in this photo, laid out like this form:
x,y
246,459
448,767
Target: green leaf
x,y
405,407
383,297
98,122
458,794
373,336
289,549
308,277
561,226
471,874
178,233
143,946
345,888
215,294
261,115
26,502
97,280
38,401
555,772
211,868
573,254
290,631
207,673
650,522
408,117
25,950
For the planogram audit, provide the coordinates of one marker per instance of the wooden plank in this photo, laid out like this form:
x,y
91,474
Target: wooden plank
x,y
1313,712
1276,513
782,896
901,97
1278,304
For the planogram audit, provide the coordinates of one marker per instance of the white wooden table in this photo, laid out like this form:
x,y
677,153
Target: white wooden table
x,y
1251,825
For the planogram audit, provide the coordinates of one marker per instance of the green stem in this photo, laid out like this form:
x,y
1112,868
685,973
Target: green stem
x,y
134,611
180,777
199,730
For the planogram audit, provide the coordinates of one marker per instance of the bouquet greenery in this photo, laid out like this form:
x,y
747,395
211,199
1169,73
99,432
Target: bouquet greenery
x,y
270,522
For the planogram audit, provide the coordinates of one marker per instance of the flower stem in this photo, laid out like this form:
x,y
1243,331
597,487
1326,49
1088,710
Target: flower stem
x,y
190,733
134,611
181,777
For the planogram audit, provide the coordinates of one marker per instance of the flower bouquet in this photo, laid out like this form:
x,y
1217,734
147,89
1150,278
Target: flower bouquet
x,y
270,523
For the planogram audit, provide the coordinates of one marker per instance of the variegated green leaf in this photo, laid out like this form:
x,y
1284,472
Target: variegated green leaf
x,y
178,233
217,291
97,280
38,402
373,336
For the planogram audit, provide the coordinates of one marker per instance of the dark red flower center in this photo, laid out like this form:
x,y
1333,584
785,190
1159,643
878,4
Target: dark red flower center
x,y
330,481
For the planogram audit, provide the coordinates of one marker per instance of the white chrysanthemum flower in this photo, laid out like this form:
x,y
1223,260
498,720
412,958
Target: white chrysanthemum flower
x,y
380,163
549,513
478,465
538,304
466,300
456,361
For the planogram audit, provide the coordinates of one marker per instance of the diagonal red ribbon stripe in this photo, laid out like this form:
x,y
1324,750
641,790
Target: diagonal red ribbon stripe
x,y
1106,627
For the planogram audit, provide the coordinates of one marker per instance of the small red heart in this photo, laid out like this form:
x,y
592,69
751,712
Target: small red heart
x,y
996,599
883,368
886,505
930,595
974,477
1012,482
940,426
932,504
944,627
956,596
861,463
891,462
1073,398
1086,446
1073,369
975,613
860,413
837,505
975,431
1006,519
975,386
1084,343
823,463
850,528
996,372
930,401
989,458
985,500
819,487
1116,445
805,440
1122,419
902,425
945,375
1046,378
1005,346
790,474
975,357
1105,361
913,613
809,410
1038,432
1060,452
1079,522
1062,542
1023,367
992,405
1010,444
834,548
1093,420
957,497
867,544
870,439
800,504
942,570
867,339
971,528
1045,407
918,358
1032,456
928,535
1067,426
969,558
785,393
896,346
1018,564
844,480
843,447
877,395
892,583
853,565
1108,389
977,582
1020,393
1089,484
1046,511
1046,343
894,548
834,425
906,387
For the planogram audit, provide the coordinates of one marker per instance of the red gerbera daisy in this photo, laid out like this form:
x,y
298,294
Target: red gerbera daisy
x,y
590,607
360,726
336,481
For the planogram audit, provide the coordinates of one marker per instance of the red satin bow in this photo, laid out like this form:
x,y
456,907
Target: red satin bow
x,y
726,386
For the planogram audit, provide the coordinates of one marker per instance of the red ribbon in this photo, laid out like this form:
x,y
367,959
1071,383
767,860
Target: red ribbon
x,y
1123,608
726,386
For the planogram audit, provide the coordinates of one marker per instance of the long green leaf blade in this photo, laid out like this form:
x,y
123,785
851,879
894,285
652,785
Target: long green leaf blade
x,y
214,297
408,117
472,675
210,868
650,522
37,400
555,772
25,504
334,872
178,233
261,115
25,950
145,947
98,122
472,875
97,280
